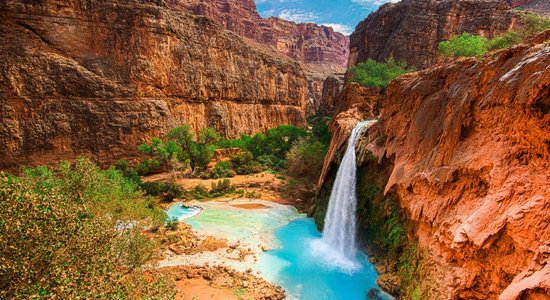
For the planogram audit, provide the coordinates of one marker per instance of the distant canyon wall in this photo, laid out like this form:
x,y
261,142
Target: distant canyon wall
x,y
320,47
411,30
100,77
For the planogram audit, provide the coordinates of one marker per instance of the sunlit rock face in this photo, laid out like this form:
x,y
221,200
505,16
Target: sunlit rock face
x,y
411,30
318,46
468,148
98,78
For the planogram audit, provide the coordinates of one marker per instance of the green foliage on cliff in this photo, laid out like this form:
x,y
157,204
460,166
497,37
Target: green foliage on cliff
x,y
469,45
375,74
74,232
305,160
464,45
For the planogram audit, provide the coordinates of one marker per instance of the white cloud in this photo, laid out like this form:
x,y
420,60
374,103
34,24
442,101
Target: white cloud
x,y
373,2
343,28
298,16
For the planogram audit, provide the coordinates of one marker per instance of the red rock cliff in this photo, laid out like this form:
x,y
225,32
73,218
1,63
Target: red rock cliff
x,y
468,147
318,46
411,30
538,6
100,77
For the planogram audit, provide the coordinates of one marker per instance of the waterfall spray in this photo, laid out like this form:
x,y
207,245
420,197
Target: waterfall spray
x,y
340,222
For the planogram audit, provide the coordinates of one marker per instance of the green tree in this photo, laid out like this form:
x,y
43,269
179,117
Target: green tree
x,y
375,74
75,232
464,45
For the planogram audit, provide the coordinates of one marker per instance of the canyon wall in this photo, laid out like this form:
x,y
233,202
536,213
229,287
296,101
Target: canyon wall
x,y
320,47
100,77
411,30
454,176
537,6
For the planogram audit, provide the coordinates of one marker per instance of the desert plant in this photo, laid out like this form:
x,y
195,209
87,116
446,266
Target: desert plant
x,y
465,44
222,169
60,236
375,74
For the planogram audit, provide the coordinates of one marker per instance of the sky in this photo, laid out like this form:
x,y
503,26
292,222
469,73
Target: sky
x,y
342,15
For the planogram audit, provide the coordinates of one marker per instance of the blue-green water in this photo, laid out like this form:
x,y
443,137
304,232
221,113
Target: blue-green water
x,y
180,212
305,273
300,262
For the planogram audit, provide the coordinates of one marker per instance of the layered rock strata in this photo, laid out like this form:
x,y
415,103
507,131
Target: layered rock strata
x,y
98,78
411,30
463,149
319,46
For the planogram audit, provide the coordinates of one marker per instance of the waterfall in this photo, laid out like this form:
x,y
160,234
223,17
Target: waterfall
x,y
340,229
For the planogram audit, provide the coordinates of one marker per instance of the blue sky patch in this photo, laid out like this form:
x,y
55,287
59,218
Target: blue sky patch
x,y
342,15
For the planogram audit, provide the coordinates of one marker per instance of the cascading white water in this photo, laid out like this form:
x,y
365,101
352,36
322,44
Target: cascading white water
x,y
340,228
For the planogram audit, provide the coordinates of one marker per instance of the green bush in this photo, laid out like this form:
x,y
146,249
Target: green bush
x,y
241,143
271,162
168,191
222,169
464,45
244,164
320,130
374,74
149,166
201,191
469,45
221,188
172,224
505,41
305,160
130,173
59,236
535,23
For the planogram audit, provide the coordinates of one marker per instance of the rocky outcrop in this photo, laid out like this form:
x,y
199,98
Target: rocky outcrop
x,y
319,46
332,87
463,151
100,77
323,91
538,6
354,104
411,30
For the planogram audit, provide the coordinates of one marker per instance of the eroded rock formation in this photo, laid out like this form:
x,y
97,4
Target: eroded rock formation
x,y
411,30
538,6
319,46
100,77
463,148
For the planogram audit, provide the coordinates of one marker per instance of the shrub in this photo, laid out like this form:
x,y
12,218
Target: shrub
x,y
244,164
222,169
242,142
221,188
535,23
168,191
320,130
134,249
172,224
59,236
305,160
505,41
375,74
464,45
149,166
271,162
131,173
201,191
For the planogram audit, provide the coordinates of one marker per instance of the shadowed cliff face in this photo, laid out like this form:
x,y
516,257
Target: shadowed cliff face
x,y
318,46
411,30
101,77
469,144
